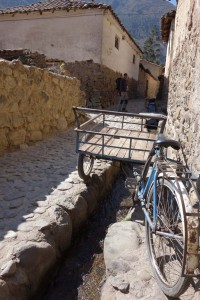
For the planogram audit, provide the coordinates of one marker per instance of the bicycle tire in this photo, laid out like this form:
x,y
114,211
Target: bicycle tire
x,y
168,268
83,172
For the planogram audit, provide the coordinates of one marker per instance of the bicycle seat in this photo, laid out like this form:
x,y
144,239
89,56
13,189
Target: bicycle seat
x,y
163,141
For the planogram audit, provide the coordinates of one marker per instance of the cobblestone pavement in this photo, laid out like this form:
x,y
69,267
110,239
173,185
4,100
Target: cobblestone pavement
x,y
30,176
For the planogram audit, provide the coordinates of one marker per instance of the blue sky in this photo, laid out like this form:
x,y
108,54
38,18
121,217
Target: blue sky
x,y
173,2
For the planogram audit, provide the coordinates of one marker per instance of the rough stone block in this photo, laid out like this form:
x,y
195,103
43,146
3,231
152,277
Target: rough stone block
x,y
4,120
17,137
35,135
3,141
17,120
62,123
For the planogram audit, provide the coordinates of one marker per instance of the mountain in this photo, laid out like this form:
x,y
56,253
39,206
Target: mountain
x,y
140,16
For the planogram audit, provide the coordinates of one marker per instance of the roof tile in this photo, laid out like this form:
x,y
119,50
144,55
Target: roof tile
x,y
166,24
52,4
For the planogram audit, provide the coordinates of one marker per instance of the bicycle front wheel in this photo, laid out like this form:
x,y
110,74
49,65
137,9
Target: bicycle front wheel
x,y
85,165
167,245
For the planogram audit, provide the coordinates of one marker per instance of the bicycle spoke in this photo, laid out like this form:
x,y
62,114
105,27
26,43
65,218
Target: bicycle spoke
x,y
167,243
166,258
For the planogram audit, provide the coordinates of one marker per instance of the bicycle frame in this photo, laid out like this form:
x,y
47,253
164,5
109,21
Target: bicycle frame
x,y
142,193
144,188
168,188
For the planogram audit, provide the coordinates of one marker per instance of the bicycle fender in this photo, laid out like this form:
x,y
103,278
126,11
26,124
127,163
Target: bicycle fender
x,y
192,223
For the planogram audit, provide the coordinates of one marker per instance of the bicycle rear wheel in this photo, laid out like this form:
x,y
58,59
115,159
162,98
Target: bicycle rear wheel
x,y
167,246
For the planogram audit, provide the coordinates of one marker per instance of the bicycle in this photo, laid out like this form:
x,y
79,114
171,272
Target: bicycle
x,y
170,203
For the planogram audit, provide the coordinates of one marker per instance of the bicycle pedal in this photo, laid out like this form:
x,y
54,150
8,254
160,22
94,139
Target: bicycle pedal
x,y
131,183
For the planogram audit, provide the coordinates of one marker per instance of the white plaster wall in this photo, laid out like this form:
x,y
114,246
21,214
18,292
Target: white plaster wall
x,y
119,60
170,47
64,35
155,69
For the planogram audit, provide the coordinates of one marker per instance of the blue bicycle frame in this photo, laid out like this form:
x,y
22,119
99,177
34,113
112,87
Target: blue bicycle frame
x,y
143,191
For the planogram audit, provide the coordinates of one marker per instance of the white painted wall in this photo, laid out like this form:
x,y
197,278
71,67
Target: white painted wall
x,y
170,50
64,35
119,60
156,70
72,36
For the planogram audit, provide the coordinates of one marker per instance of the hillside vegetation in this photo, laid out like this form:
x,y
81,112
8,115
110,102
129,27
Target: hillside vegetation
x,y
139,17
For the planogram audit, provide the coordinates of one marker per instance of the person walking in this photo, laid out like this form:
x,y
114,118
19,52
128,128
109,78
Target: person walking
x,y
118,80
123,93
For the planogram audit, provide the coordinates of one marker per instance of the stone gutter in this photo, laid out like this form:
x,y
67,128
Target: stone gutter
x,y
31,254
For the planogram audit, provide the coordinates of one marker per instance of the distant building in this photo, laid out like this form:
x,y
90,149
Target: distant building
x,y
149,83
71,31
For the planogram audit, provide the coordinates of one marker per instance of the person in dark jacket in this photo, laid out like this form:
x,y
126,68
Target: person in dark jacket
x,y
123,93
118,80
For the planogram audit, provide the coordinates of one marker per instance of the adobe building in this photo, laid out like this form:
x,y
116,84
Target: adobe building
x,y
71,31
149,79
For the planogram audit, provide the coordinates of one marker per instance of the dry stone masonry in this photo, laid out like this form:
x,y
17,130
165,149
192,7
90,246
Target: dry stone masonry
x,y
98,82
184,89
34,103
25,56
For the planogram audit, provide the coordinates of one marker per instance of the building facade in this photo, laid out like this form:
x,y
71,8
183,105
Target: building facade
x,y
149,83
71,31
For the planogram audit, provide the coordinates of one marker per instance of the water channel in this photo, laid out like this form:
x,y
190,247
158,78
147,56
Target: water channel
x,y
81,272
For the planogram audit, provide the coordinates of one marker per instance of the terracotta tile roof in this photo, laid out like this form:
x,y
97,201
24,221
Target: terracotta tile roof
x,y
52,5
166,24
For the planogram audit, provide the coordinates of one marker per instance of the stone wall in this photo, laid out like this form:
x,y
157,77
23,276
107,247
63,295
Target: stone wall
x,y
98,82
34,103
184,89
25,56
